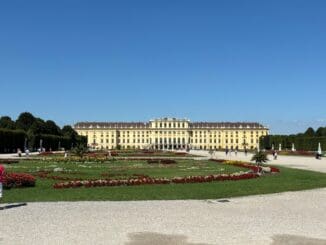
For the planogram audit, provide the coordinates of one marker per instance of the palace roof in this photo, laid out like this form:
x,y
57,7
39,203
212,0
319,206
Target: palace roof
x,y
192,125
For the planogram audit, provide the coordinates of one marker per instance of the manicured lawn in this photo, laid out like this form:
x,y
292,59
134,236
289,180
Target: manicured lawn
x,y
127,153
287,180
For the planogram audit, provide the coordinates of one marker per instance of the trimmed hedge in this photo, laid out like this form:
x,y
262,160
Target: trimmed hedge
x,y
301,143
10,140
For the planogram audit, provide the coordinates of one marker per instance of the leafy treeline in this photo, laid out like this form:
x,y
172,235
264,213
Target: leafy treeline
x,y
307,141
29,131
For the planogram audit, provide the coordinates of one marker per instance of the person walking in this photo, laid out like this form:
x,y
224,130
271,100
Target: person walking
x,y
275,155
19,152
2,173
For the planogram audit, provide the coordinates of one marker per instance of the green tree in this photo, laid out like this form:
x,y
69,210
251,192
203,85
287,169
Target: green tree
x,y
52,128
38,127
310,132
321,131
260,157
68,131
80,150
25,121
7,123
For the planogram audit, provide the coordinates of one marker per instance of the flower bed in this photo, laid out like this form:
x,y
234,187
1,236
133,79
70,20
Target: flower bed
x,y
140,179
254,168
12,180
161,161
46,153
146,180
8,161
181,153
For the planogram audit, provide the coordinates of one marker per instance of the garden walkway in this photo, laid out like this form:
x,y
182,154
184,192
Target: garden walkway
x,y
300,162
285,218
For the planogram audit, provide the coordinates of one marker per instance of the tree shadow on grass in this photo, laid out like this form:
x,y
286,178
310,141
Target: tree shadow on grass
x,y
13,206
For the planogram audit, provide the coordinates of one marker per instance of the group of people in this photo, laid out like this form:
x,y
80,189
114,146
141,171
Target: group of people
x,y
229,152
19,152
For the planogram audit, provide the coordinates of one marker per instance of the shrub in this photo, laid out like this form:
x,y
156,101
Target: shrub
x,y
260,158
167,161
150,161
181,153
80,150
161,161
12,180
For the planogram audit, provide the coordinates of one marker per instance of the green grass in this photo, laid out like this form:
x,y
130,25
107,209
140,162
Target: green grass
x,y
287,180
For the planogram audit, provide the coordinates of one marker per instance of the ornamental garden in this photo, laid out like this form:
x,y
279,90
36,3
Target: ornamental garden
x,y
145,175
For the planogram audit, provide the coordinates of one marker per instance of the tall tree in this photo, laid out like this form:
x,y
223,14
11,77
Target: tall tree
x,y
7,123
52,128
310,132
25,121
321,131
260,157
68,131
38,127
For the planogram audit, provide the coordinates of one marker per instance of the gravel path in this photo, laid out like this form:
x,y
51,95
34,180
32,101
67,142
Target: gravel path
x,y
286,218
301,162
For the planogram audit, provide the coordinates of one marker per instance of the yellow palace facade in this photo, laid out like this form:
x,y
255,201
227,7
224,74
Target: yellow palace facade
x,y
171,133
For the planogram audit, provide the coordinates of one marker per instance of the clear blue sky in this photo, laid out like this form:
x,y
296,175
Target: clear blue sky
x,y
133,60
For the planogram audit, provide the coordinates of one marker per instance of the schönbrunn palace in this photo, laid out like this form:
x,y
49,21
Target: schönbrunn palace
x,y
171,133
